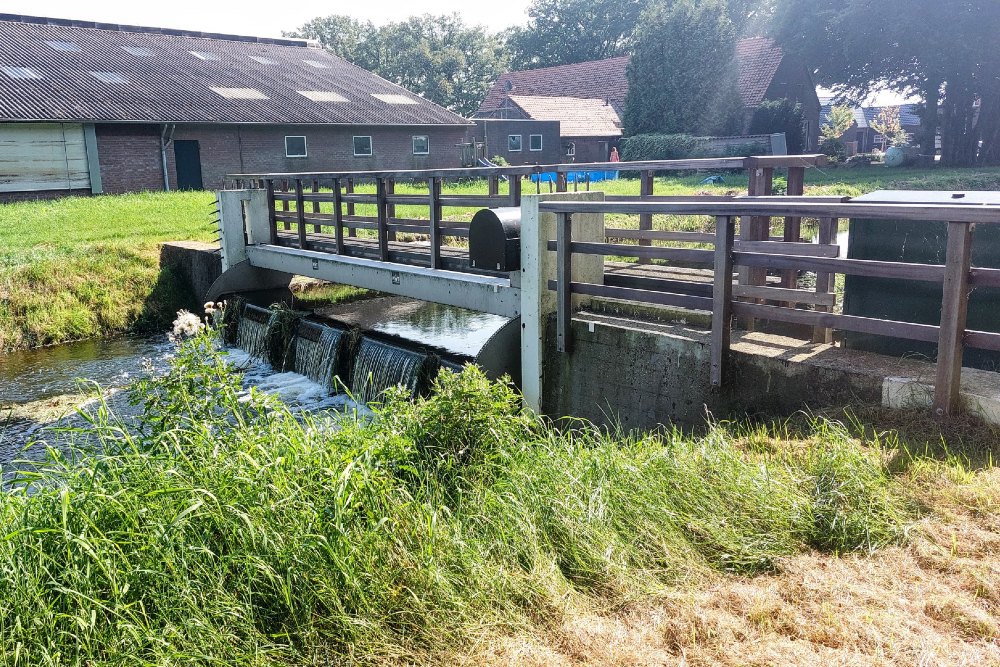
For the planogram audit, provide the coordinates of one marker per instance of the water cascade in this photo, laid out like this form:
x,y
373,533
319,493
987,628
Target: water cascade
x,y
318,352
379,366
251,331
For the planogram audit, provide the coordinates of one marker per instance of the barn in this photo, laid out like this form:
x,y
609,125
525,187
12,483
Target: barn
x,y
93,107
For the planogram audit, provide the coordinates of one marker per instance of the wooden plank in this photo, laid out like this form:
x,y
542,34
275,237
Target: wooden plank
x,y
383,221
434,205
300,215
700,257
658,284
350,204
561,181
514,190
923,332
984,277
791,230
493,185
464,201
564,276
785,295
782,248
656,235
856,267
390,208
315,203
338,217
983,340
954,309
673,198
824,279
642,296
722,296
284,203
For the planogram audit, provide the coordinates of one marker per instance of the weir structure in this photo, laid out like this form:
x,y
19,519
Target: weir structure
x,y
585,256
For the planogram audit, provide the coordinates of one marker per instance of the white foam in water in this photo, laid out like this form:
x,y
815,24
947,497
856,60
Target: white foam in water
x,y
294,389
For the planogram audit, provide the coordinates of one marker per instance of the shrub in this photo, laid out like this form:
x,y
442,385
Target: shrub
x,y
834,148
781,115
642,147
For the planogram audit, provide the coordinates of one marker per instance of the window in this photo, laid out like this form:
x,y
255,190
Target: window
x,y
317,64
394,99
264,61
64,46
21,73
362,146
140,51
295,147
322,96
513,142
535,142
240,93
570,149
108,77
421,145
204,55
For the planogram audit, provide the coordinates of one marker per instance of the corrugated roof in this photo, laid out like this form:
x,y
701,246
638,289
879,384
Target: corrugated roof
x,y
577,117
758,59
174,86
863,116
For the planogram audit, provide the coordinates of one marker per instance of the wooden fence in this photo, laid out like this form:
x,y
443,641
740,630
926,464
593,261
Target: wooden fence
x,y
762,301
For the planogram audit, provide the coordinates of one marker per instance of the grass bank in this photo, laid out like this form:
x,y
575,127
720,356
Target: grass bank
x,y
455,528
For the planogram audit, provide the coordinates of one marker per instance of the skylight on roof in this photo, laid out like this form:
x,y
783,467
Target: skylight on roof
x,y
240,93
394,99
21,73
108,77
63,46
322,96
140,51
204,55
317,64
264,61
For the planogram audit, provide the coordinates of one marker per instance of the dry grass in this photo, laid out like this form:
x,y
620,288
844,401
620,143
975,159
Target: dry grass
x,y
935,601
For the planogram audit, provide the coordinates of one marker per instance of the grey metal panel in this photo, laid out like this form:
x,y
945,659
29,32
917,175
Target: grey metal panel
x,y
93,158
42,156
482,293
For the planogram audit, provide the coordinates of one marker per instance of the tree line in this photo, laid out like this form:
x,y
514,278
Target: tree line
x,y
682,73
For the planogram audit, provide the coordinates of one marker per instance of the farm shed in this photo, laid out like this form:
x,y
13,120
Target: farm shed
x,y
94,107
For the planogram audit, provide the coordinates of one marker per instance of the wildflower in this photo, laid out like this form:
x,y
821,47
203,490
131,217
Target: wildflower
x,y
209,307
187,324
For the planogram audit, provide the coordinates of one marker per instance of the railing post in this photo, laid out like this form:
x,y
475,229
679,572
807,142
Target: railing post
x,y
493,183
390,209
315,206
300,214
824,280
514,189
434,189
792,230
722,296
645,219
338,217
383,219
272,216
564,278
756,228
350,207
954,309
561,181
284,204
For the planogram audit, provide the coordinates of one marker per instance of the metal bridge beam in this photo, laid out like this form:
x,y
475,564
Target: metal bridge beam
x,y
482,293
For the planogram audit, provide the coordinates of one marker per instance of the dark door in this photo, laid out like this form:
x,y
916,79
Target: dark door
x,y
188,158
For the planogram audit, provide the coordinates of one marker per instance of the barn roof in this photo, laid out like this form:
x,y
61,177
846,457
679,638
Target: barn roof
x,y
58,70
758,59
909,115
577,117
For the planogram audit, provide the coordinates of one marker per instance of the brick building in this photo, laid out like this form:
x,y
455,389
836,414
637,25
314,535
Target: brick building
x,y
588,98
91,107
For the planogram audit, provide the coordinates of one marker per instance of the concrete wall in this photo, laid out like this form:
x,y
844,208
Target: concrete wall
x,y
642,378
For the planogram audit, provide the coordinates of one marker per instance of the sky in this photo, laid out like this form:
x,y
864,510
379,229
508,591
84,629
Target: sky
x,y
244,18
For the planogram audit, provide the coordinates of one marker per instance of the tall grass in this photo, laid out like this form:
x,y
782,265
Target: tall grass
x,y
221,529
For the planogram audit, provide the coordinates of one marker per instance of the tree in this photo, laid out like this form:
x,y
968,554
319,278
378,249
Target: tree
x,y
683,75
887,124
437,57
560,32
943,50
572,31
780,116
839,121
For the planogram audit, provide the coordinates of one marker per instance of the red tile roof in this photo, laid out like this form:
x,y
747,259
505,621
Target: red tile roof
x,y
758,58
135,74
578,117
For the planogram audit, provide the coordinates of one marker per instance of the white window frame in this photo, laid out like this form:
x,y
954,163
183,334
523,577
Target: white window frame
x,y
426,139
371,145
520,143
531,138
305,145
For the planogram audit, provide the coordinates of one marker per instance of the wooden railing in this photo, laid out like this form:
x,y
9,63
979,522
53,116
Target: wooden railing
x,y
759,299
296,201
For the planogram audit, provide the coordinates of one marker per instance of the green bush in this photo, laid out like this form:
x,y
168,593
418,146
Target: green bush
x,y
642,147
834,148
782,115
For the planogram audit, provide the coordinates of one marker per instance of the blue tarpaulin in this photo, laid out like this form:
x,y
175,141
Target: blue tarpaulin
x,y
575,176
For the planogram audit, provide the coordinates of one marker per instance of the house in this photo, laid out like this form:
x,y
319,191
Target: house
x,y
93,107
589,98
519,141
862,137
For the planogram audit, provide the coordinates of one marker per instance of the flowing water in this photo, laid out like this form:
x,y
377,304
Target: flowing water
x,y
319,359
379,366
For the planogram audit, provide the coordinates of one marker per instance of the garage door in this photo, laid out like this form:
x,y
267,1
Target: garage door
x,y
43,156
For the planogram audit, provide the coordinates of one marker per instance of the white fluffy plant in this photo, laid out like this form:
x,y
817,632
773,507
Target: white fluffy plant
x,y
188,325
